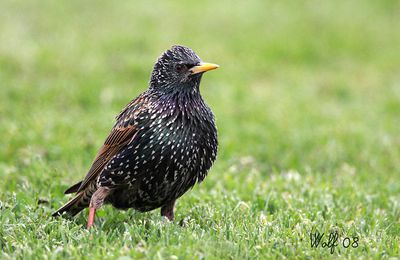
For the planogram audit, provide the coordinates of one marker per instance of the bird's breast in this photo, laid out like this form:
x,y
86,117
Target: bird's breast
x,y
173,149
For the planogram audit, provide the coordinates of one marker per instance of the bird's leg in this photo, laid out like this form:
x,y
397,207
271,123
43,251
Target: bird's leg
x,y
168,210
92,213
96,202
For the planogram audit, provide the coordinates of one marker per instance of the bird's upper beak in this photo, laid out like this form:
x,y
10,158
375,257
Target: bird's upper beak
x,y
203,67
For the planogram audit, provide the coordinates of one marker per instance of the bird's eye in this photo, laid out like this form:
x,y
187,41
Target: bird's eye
x,y
180,67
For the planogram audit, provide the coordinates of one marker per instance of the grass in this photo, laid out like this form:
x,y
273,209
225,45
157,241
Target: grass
x,y
307,102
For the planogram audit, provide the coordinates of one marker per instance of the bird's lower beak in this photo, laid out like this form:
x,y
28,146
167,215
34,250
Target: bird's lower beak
x,y
203,67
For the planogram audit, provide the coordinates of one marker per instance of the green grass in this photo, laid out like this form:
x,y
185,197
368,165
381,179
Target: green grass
x,y
307,102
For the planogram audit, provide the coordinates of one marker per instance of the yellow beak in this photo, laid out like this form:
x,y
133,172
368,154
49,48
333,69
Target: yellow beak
x,y
203,67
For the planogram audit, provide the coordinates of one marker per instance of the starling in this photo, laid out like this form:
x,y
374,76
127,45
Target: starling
x,y
163,142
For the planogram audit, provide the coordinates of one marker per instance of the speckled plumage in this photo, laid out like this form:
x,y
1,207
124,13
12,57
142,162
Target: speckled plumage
x,y
164,141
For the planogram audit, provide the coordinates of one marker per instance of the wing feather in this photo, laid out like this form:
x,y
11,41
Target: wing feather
x,y
122,134
118,138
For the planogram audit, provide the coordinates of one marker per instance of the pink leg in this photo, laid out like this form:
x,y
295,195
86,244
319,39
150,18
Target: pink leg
x,y
95,203
92,213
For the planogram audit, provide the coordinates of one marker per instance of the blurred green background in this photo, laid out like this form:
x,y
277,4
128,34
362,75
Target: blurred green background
x,y
307,102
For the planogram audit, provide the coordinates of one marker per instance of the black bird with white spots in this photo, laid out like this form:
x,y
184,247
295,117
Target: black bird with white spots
x,y
164,141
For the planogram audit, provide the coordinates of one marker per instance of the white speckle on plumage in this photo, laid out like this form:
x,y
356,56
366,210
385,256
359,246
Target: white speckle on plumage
x,y
179,122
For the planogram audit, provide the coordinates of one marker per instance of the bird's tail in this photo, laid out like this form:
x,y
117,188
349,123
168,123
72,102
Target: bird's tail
x,y
74,206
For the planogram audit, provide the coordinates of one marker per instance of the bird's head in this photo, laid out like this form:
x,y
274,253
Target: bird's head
x,y
178,69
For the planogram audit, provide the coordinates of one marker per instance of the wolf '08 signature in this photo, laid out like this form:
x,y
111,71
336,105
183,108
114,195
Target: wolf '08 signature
x,y
332,241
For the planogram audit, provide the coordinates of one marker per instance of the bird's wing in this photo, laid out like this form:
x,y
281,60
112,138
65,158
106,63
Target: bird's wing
x,y
122,134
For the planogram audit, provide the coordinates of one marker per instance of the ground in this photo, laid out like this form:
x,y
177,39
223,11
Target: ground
x,y
307,102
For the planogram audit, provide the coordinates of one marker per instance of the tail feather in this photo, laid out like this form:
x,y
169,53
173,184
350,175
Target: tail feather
x,y
74,188
74,206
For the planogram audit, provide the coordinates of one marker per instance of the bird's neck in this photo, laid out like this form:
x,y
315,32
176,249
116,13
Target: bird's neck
x,y
175,103
183,100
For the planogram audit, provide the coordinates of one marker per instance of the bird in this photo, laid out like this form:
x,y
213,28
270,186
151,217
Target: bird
x,y
163,142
